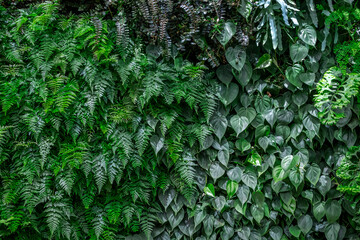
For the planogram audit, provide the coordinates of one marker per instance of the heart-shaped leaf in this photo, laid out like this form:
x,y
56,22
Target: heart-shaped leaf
x,y
239,124
308,34
227,33
236,57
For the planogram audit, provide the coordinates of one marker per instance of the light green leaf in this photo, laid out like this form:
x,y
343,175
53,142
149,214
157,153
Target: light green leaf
x,y
210,190
231,188
264,62
295,231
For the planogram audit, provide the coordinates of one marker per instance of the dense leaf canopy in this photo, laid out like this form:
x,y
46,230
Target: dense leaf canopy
x,y
167,119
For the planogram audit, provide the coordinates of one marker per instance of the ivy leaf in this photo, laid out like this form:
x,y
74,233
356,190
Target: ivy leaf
x,y
219,203
224,73
308,34
324,184
307,78
236,57
311,123
305,223
167,197
242,144
270,116
257,212
243,194
332,231
292,74
258,198
210,190
175,220
235,174
216,170
264,62
239,124
254,158
244,76
219,124
250,179
279,174
228,94
298,52
313,173
227,33
319,211
295,231
333,211
296,178
276,232
231,188
289,162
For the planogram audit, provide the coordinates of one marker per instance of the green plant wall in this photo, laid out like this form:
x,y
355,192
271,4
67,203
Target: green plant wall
x,y
127,123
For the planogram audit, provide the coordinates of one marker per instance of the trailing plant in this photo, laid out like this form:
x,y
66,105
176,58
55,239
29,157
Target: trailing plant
x,y
126,122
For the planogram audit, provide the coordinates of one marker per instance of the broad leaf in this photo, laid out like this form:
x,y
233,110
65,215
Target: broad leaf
x,y
236,57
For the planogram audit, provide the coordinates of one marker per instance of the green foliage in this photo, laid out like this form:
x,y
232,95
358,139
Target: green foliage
x,y
109,129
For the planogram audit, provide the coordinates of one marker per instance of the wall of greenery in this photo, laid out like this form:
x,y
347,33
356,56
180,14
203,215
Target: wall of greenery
x,y
167,119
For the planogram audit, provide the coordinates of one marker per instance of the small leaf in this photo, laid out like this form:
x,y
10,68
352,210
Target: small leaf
x,y
231,188
242,144
210,190
257,212
305,223
264,62
295,231
313,173
324,184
